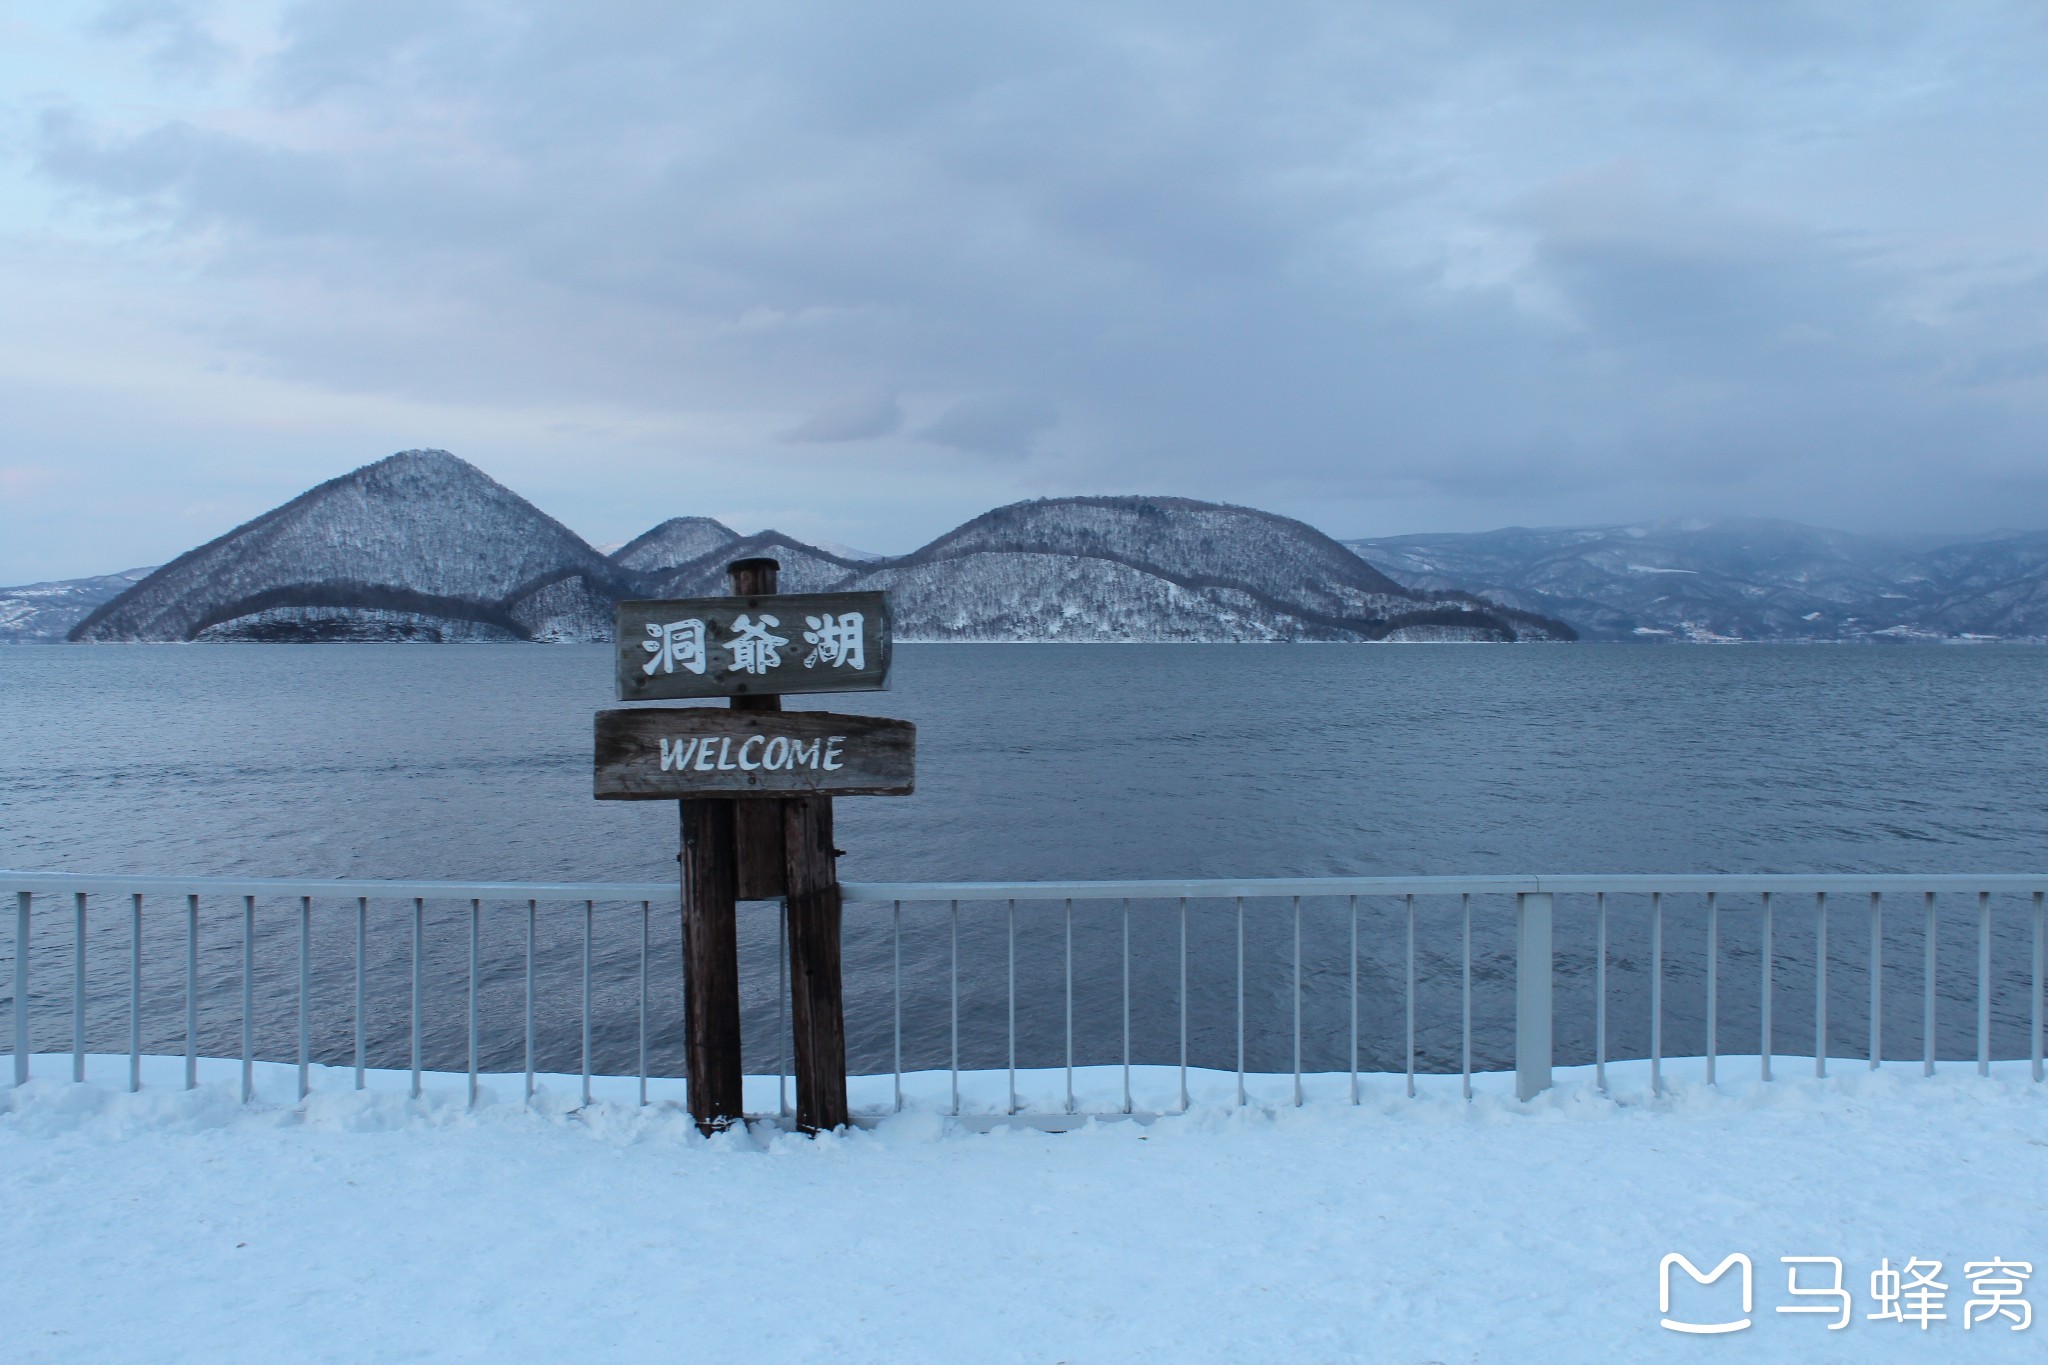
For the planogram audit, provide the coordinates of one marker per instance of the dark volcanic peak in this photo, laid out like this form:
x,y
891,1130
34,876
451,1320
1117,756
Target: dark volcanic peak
x,y
424,543
677,541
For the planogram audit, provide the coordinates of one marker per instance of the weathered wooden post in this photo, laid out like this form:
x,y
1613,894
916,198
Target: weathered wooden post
x,y
755,784
723,843
757,825
711,962
817,1003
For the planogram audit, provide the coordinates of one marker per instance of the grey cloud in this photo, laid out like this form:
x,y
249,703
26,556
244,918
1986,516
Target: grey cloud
x,y
1483,257
855,417
996,424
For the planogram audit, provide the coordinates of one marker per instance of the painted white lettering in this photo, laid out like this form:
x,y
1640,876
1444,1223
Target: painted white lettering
x,y
757,739
678,642
832,763
774,758
679,756
725,764
704,752
804,753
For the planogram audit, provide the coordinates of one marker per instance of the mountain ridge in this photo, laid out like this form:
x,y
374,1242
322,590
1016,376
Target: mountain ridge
x,y
1742,579
424,546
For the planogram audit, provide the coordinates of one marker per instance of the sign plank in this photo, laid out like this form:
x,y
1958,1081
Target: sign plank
x,y
753,646
667,753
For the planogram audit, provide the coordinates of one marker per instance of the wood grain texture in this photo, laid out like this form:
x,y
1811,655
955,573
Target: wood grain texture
x,y
669,753
711,975
817,997
757,825
797,665
757,836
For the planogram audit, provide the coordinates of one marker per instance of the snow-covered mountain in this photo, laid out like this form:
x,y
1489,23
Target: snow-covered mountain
x,y
46,612
804,568
1741,580
679,540
422,546
419,546
1165,569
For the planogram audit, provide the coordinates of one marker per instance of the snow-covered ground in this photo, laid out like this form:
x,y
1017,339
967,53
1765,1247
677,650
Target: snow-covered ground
x,y
170,1226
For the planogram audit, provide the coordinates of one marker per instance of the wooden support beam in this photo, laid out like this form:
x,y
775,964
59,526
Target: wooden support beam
x,y
711,964
757,825
816,994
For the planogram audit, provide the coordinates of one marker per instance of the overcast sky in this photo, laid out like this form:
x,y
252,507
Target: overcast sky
x,y
861,271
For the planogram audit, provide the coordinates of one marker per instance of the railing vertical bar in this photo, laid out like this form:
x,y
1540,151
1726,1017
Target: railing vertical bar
x,y
589,917
1983,983
532,917
2040,970
1409,995
896,947
305,996
21,989
476,935
1713,983
1297,1002
1927,995
1240,1002
248,998
1876,980
135,996
1656,993
1764,1007
1465,999
953,999
362,986
419,934
646,941
191,989
1070,1005
78,993
1010,1103
1354,1000
1600,991
1184,1003
1127,1004
1820,984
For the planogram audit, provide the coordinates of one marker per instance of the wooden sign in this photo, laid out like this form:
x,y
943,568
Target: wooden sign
x,y
667,753
753,646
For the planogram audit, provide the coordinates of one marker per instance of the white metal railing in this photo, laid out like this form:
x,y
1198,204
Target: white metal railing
x,y
1533,951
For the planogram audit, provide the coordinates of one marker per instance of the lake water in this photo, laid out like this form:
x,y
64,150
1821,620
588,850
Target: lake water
x,y
1043,762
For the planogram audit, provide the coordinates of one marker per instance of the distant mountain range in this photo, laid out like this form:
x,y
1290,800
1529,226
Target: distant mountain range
x,y
1741,580
423,546
47,612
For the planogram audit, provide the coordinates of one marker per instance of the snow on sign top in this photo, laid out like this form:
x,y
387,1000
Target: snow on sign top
x,y
753,646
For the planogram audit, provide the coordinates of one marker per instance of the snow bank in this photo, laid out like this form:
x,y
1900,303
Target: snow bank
x,y
172,1225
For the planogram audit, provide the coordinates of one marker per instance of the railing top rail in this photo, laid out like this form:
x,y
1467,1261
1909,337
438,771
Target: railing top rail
x,y
66,883
1618,884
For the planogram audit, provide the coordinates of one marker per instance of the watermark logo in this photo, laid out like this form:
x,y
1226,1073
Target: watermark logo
x,y
1911,1295
1705,1329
